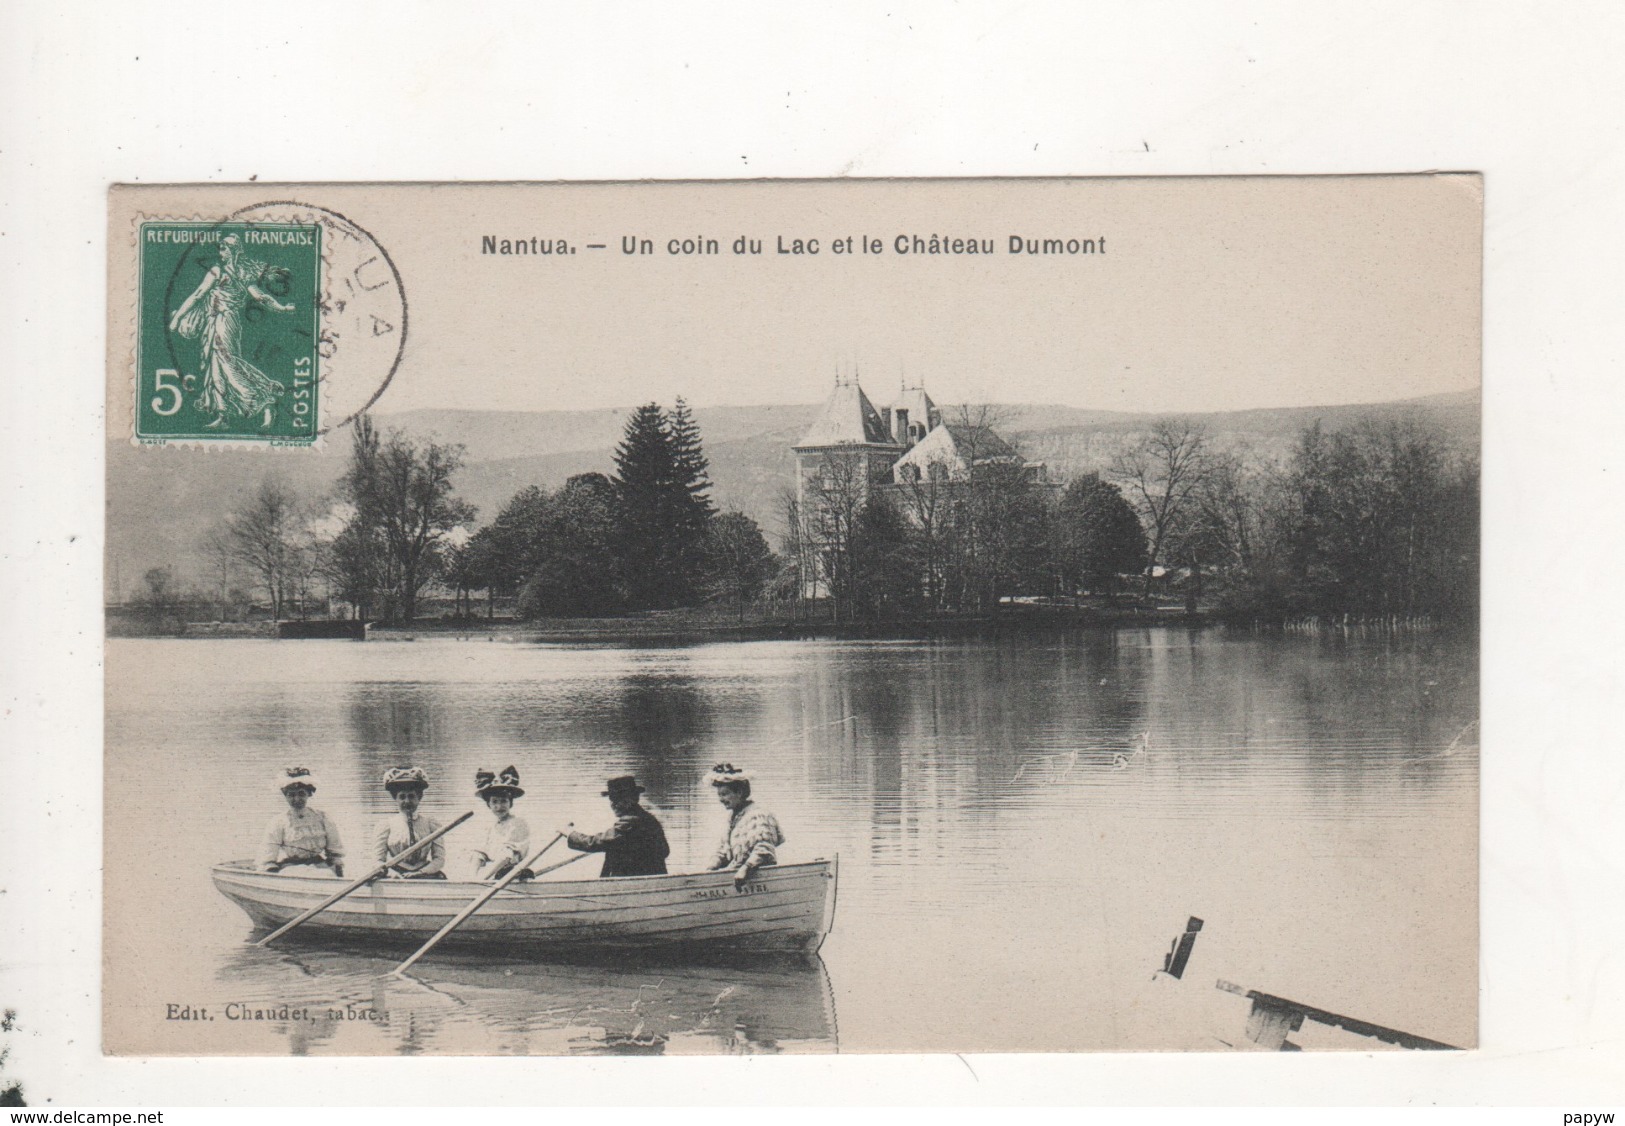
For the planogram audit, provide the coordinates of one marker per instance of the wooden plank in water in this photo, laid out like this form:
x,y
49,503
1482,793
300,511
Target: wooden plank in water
x,y
1273,1017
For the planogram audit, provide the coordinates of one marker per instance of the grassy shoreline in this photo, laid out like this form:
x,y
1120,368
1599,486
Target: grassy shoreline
x,y
685,627
691,626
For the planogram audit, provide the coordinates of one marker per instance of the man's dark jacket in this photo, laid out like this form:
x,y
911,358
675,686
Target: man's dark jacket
x,y
634,846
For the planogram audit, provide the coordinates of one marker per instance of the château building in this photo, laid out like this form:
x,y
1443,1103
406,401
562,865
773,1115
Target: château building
x,y
853,449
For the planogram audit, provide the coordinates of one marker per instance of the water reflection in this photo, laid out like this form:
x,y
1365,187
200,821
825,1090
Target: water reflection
x,y
1007,812
660,724
581,1007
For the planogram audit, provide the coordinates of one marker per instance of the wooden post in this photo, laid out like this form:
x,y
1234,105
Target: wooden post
x,y
1268,1025
1173,963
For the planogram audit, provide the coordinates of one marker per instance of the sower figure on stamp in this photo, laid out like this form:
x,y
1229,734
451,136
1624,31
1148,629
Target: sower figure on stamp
x,y
301,836
215,313
508,840
635,845
400,832
752,837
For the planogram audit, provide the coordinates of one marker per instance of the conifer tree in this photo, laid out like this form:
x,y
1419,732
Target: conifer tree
x,y
697,514
652,511
692,467
661,479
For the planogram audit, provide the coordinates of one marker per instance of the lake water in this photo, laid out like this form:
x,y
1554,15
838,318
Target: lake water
x,y
1022,826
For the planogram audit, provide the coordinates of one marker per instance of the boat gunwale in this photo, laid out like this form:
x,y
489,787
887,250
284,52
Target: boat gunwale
x,y
608,887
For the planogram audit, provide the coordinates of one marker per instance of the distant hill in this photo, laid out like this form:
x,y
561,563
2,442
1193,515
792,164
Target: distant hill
x,y
161,502
500,435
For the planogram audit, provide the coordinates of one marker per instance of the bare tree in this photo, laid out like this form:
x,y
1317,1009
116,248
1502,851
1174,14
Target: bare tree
x,y
837,495
220,552
265,538
1002,533
975,430
462,576
926,498
401,493
1162,473
1226,526
983,520
799,579
307,564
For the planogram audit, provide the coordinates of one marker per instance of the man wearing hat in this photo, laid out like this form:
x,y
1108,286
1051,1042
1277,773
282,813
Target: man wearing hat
x,y
508,841
400,832
300,834
635,845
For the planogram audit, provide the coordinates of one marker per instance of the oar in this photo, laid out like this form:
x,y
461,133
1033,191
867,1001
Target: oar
x,y
367,879
560,864
479,901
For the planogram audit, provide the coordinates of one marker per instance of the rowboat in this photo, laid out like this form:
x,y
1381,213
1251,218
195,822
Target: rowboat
x,y
781,909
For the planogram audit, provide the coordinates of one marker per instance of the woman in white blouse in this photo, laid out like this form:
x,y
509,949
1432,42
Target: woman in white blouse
x,y
399,833
508,840
301,837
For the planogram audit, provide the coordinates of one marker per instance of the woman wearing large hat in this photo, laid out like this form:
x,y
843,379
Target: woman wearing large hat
x,y
508,841
407,827
301,837
753,836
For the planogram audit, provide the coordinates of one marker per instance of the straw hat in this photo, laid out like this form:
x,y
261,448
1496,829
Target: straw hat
x,y
726,774
295,776
488,785
405,778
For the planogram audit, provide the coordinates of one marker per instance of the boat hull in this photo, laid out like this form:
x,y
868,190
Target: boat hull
x,y
784,908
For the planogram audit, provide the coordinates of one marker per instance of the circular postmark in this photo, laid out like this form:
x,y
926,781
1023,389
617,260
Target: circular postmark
x,y
354,341
363,311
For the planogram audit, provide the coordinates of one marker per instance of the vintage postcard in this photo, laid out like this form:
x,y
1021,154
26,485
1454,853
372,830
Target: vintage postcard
x,y
803,616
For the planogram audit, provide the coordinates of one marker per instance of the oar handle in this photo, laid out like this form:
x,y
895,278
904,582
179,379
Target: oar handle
x,y
513,873
479,901
364,880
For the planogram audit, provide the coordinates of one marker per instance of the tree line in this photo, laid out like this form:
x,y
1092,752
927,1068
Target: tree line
x,y
382,538
1376,520
1379,519
646,538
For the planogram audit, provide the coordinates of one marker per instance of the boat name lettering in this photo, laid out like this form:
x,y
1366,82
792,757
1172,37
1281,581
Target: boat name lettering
x,y
722,893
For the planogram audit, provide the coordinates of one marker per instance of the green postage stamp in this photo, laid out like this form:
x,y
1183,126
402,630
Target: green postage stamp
x,y
228,338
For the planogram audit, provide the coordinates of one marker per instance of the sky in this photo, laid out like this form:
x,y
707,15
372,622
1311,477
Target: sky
x,y
1200,294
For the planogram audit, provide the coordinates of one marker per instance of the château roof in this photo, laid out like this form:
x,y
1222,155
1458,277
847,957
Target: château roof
x,y
849,419
979,441
956,447
918,404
